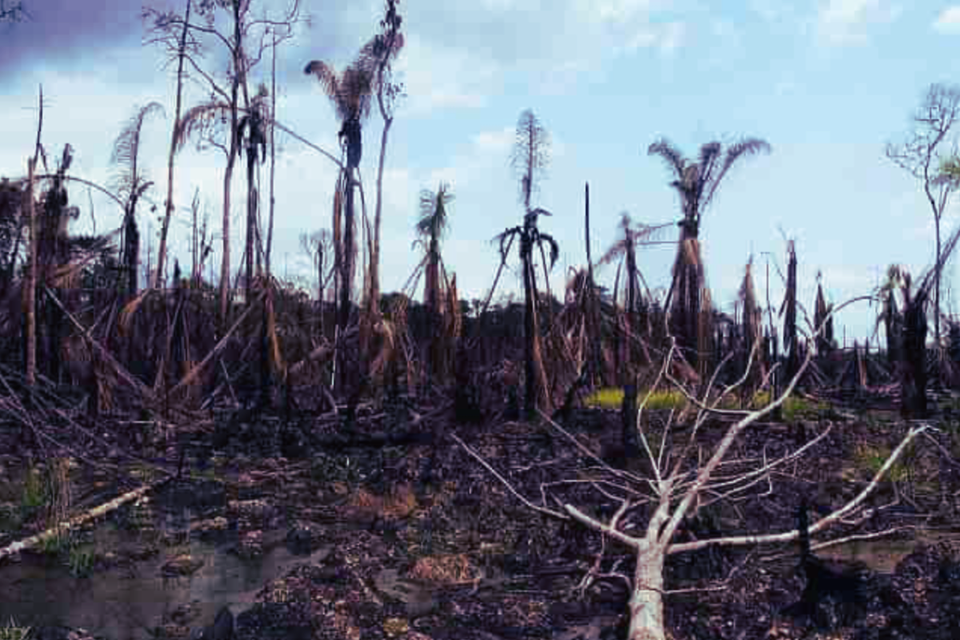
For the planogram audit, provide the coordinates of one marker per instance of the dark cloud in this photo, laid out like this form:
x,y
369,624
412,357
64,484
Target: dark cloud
x,y
66,33
85,35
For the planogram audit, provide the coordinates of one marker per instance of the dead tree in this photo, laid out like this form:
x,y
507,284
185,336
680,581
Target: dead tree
x,y
920,155
223,109
675,488
696,182
789,311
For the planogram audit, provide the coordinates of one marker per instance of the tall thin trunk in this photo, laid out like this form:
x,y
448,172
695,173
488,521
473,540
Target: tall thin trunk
x,y
529,325
251,220
936,295
238,82
375,257
346,283
165,226
273,151
225,260
30,286
131,247
593,360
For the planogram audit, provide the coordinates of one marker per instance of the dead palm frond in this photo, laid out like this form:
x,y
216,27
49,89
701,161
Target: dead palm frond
x,y
129,180
199,120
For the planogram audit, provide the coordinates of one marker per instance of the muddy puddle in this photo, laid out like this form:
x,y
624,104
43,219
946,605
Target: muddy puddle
x,y
146,569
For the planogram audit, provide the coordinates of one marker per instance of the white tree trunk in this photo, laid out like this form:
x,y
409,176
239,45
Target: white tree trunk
x,y
646,603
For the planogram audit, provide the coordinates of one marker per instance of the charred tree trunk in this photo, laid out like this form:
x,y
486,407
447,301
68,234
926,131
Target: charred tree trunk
x,y
131,249
790,344
30,286
529,324
158,278
893,326
913,374
251,221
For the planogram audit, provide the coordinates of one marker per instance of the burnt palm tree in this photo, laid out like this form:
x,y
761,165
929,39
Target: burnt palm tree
x,y
625,250
352,92
130,184
252,137
431,225
434,212
530,236
696,181
530,157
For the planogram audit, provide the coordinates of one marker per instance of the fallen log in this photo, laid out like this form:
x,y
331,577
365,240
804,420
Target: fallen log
x,y
96,512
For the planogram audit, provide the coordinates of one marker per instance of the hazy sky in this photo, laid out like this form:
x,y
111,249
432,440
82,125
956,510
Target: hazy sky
x,y
826,82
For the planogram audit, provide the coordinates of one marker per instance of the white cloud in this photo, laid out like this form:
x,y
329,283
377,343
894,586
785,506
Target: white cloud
x,y
949,20
437,76
478,42
842,22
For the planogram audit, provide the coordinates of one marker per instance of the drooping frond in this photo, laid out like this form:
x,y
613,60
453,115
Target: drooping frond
x,y
198,119
356,89
670,154
633,233
126,149
745,147
350,91
709,153
327,76
554,247
433,210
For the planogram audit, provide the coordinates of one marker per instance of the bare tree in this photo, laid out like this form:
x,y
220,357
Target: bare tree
x,y
678,482
180,50
388,44
225,104
921,155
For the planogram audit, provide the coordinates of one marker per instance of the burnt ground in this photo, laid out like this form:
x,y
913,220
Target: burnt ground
x,y
418,540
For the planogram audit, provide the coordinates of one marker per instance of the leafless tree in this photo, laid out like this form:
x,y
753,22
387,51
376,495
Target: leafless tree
x,y
921,154
678,485
179,34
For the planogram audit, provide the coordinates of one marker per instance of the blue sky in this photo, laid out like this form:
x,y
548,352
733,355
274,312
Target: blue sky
x,y
826,83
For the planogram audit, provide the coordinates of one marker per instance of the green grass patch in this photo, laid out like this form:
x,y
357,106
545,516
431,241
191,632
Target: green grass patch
x,y
793,408
607,398
612,398
872,458
663,399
